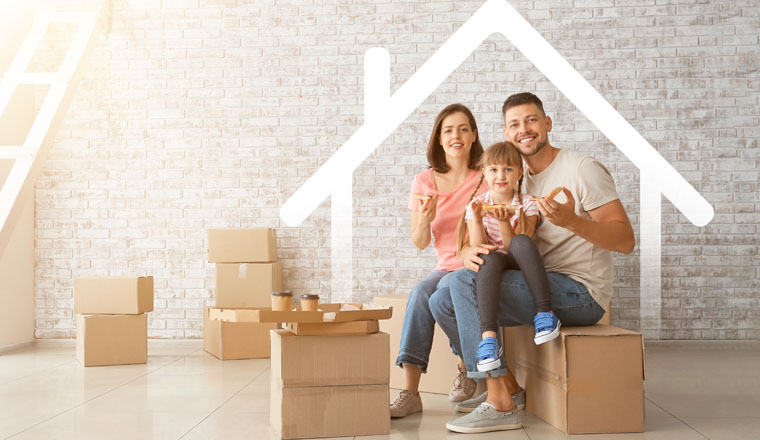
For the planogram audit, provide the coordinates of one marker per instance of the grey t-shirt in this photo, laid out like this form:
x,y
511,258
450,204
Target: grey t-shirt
x,y
563,251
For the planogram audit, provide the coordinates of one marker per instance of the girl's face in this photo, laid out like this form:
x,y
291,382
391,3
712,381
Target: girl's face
x,y
502,179
457,136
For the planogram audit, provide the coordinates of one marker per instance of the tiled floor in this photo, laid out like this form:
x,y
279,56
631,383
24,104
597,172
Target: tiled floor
x,y
693,392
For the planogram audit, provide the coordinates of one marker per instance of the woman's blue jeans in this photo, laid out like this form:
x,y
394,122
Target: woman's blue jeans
x,y
419,324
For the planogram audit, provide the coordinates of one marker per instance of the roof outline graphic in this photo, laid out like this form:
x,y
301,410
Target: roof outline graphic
x,y
384,113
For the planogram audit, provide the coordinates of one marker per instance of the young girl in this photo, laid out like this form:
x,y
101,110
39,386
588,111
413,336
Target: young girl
x,y
506,218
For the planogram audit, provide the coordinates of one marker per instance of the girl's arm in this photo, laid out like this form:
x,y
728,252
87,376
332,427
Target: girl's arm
x,y
507,233
477,232
475,225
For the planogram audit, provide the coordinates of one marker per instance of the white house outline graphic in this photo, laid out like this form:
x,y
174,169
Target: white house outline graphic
x,y
384,113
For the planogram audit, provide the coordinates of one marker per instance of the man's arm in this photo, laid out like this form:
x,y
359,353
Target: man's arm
x,y
609,227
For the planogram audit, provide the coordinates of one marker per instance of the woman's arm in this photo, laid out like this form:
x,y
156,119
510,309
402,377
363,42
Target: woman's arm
x,y
421,221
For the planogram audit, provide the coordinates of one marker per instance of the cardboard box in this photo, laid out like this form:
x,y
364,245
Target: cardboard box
x,y
236,340
442,367
326,313
247,284
112,339
587,381
332,411
333,328
315,361
257,245
113,295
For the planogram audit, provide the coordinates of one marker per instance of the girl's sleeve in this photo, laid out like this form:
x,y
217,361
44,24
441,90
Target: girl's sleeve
x,y
468,211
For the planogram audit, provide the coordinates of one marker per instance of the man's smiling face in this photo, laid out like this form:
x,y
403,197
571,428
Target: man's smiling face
x,y
527,127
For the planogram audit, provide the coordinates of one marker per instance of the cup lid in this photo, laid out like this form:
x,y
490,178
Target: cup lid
x,y
309,296
283,293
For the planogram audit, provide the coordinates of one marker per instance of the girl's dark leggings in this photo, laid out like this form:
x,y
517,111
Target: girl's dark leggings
x,y
522,255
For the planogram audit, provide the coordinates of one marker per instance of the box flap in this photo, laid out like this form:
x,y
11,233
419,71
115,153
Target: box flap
x,y
327,313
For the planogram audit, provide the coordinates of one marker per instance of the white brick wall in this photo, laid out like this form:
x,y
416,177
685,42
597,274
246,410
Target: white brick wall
x,y
198,114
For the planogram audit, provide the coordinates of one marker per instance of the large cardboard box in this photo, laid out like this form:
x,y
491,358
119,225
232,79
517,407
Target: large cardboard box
x,y
587,381
442,367
112,339
113,295
314,361
247,284
257,245
334,411
236,340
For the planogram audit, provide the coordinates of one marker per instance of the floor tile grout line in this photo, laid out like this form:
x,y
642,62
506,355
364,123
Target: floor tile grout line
x,y
677,418
223,403
93,398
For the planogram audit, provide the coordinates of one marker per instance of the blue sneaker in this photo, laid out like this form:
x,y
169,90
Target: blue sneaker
x,y
489,354
547,327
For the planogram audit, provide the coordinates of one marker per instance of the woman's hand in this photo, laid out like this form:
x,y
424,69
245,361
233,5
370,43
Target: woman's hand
x,y
427,211
470,258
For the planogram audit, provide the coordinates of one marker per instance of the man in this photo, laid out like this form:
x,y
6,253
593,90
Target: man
x,y
575,241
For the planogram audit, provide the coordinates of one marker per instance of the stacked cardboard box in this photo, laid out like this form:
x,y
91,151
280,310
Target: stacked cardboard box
x,y
329,385
247,272
112,326
329,369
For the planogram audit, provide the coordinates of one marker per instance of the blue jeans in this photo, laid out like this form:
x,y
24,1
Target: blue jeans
x,y
571,301
419,324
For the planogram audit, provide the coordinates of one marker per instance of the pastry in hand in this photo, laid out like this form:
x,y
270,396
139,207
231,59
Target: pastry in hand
x,y
549,196
510,208
423,197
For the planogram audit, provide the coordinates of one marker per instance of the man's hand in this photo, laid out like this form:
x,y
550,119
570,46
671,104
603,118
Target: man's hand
x,y
560,214
470,256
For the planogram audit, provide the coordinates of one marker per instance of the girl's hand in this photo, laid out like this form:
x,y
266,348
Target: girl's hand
x,y
477,210
501,214
427,211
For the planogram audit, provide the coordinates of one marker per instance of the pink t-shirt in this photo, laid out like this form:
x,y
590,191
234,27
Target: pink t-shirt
x,y
449,210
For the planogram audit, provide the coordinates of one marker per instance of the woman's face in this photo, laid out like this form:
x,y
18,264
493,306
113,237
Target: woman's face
x,y
457,136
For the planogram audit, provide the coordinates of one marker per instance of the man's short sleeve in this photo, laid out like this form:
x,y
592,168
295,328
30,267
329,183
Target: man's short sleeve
x,y
595,184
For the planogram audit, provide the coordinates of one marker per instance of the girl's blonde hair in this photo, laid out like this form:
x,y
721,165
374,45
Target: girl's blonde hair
x,y
500,153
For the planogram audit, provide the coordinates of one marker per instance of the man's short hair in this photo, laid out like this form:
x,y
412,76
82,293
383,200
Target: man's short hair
x,y
520,99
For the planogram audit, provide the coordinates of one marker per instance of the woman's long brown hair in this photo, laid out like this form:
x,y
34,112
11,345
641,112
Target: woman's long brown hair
x,y
500,153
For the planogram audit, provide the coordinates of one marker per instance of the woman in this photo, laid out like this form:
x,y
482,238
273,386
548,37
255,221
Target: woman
x,y
438,198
